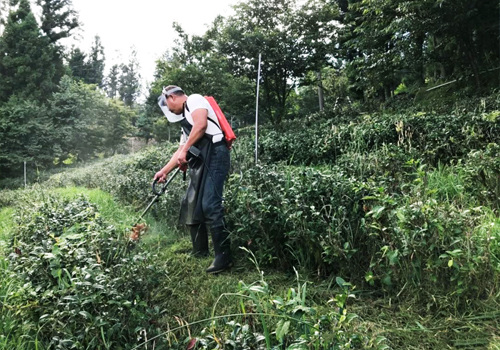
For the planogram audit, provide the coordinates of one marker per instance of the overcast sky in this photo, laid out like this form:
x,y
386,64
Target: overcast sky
x,y
145,25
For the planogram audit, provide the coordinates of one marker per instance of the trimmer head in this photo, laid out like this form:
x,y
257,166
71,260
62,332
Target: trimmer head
x,y
137,231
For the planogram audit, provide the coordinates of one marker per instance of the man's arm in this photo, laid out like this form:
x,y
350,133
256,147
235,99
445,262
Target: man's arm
x,y
171,165
199,127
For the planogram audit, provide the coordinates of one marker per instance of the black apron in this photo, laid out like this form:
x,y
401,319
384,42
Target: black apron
x,y
191,205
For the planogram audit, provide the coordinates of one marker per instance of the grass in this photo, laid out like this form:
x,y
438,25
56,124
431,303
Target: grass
x,y
124,217
6,225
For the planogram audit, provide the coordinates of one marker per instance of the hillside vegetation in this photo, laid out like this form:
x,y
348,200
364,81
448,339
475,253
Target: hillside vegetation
x,y
393,217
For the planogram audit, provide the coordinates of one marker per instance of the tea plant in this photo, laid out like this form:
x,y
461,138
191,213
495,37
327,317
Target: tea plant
x,y
81,284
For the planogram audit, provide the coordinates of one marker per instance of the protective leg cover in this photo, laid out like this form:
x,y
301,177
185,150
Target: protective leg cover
x,y
222,248
199,238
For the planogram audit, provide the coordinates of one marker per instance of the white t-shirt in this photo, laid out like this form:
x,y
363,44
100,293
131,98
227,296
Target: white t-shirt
x,y
195,102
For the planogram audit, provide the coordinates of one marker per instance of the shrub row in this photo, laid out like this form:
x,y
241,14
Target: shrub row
x,y
322,139
425,231
83,284
376,216
129,179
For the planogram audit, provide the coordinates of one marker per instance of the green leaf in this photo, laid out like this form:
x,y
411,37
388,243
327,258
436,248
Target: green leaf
x,y
85,314
282,329
300,346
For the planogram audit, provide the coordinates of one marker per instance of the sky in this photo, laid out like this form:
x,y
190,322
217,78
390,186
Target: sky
x,y
145,25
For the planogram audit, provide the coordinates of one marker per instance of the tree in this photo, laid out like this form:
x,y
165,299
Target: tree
x,y
117,118
386,42
27,67
112,81
26,135
88,68
4,10
95,64
290,38
86,121
58,18
77,64
129,81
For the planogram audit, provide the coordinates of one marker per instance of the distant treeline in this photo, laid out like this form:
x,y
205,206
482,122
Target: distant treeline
x,y
315,54
359,51
56,104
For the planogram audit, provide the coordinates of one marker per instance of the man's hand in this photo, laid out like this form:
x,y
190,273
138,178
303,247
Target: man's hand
x,y
160,176
181,159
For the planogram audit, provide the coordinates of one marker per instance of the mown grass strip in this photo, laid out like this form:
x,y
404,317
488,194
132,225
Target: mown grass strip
x,y
123,217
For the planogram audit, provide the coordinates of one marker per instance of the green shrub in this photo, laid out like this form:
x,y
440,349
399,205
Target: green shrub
x,y
129,179
482,168
324,138
297,216
427,238
81,282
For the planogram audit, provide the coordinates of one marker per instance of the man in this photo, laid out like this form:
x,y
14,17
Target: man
x,y
202,205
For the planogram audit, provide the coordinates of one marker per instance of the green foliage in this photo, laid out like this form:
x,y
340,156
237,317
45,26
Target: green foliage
x,y
205,73
482,168
27,67
129,81
73,269
291,320
293,40
77,123
86,122
26,134
293,216
324,137
129,179
91,70
373,211
426,237
112,82
387,42
58,18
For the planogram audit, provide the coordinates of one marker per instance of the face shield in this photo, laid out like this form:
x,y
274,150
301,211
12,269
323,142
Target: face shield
x,y
172,117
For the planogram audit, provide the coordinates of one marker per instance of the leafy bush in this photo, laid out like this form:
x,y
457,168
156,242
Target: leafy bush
x,y
297,216
427,236
324,138
482,170
84,285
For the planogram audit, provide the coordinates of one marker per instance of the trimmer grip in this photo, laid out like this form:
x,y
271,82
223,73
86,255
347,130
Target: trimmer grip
x,y
153,188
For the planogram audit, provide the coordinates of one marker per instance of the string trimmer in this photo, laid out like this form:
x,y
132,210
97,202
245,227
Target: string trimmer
x,y
137,229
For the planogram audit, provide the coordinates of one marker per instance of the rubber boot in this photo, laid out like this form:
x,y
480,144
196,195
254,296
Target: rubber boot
x,y
199,238
222,248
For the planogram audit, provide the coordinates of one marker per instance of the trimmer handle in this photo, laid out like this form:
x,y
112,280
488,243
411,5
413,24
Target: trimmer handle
x,y
193,154
164,188
153,189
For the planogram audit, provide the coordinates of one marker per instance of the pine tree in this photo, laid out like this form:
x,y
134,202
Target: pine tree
x,y
58,18
112,81
129,85
4,10
27,67
88,68
77,63
95,65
